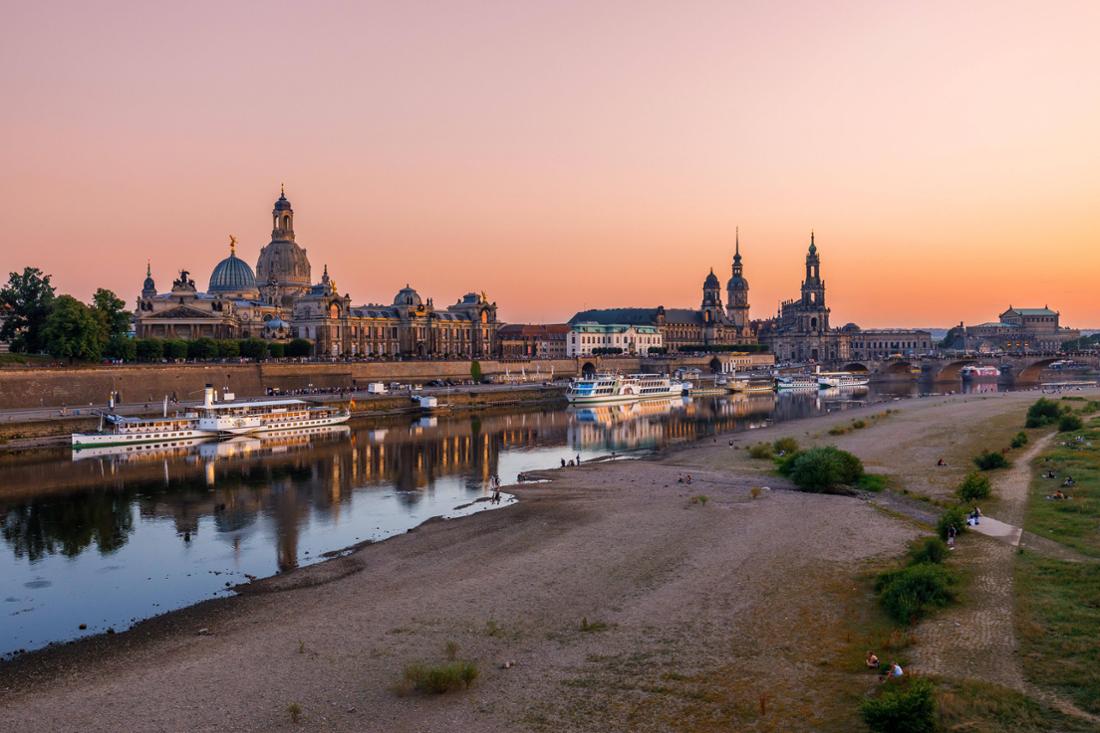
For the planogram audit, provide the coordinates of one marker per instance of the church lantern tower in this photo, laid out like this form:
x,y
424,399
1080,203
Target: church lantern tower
x,y
283,268
712,299
737,292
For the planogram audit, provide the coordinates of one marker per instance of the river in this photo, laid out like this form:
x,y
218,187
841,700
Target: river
x,y
97,541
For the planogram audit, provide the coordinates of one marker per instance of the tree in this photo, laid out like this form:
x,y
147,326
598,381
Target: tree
x,y
111,312
175,349
298,347
202,348
121,346
254,348
277,350
475,370
228,349
26,299
149,349
72,331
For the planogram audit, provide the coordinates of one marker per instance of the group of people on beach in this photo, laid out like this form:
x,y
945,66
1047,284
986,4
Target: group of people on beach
x,y
893,669
572,462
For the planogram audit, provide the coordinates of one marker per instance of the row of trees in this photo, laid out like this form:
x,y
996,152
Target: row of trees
x,y
204,349
36,320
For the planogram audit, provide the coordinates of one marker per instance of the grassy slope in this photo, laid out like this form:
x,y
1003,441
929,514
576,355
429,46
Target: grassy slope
x,y
1058,602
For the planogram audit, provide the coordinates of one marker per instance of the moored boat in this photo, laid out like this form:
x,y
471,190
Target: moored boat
x,y
971,371
841,380
118,430
790,382
260,416
622,388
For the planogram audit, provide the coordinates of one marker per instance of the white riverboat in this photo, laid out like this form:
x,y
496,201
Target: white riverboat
x,y
210,420
622,388
118,430
842,380
261,416
792,382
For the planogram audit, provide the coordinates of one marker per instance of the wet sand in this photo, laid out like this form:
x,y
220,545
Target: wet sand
x,y
694,609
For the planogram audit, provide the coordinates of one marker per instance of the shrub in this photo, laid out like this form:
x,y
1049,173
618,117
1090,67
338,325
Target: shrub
x,y
975,486
859,424
1042,413
989,460
475,370
910,593
440,678
295,712
955,517
908,708
1019,440
277,350
760,450
1069,423
785,446
872,482
930,549
121,346
819,469
838,430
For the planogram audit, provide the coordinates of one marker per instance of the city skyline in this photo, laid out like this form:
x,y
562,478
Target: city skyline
x,y
569,157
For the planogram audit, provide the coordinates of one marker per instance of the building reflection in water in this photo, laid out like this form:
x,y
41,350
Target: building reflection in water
x,y
293,479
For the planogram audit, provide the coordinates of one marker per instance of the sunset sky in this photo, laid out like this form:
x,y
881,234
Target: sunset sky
x,y
563,155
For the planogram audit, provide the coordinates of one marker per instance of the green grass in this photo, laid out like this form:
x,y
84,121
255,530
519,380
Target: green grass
x,y
981,707
10,359
1058,624
1074,522
439,678
872,482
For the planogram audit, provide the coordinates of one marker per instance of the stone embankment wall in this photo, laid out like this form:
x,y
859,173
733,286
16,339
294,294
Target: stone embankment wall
x,y
22,388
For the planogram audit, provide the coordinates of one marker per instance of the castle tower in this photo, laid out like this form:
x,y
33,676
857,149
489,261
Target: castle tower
x,y
283,267
737,291
815,314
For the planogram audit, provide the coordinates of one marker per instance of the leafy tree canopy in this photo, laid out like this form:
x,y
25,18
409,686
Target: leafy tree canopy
x,y
25,302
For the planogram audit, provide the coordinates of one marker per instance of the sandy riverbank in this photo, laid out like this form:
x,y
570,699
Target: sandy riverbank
x,y
707,607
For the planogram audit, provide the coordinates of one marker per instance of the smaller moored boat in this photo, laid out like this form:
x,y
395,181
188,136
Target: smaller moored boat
x,y
841,380
791,382
971,371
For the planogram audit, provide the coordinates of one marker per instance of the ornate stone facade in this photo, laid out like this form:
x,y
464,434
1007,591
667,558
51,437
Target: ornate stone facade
x,y
279,302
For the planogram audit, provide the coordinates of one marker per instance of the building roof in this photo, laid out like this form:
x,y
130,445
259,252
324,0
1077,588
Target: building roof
x,y
636,316
232,275
533,329
1031,311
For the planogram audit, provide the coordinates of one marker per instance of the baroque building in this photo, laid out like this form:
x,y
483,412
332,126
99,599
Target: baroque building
x,y
800,330
688,329
279,302
1019,330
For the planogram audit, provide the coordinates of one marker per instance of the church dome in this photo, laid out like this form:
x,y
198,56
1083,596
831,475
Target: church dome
x,y
282,204
232,275
711,281
407,296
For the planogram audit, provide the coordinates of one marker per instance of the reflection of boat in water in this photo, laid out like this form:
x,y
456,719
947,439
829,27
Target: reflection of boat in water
x,y
752,384
972,372
622,388
843,380
607,414
118,430
141,451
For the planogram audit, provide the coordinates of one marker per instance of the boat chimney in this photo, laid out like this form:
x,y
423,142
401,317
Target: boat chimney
x,y
208,396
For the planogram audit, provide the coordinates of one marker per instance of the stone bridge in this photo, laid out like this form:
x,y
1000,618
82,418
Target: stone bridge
x,y
1017,369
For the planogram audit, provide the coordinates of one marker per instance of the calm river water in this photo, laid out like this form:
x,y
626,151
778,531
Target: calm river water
x,y
106,539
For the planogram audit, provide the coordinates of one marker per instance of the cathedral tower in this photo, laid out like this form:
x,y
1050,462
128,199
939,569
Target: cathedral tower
x,y
737,292
712,299
816,315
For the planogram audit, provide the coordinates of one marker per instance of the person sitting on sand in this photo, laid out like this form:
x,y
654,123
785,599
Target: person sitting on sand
x,y
872,661
680,479
1058,495
895,670
941,462
688,478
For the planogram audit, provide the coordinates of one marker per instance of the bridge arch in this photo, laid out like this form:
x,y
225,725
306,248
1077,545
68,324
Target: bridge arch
x,y
1030,373
952,370
896,368
716,365
855,366
588,370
